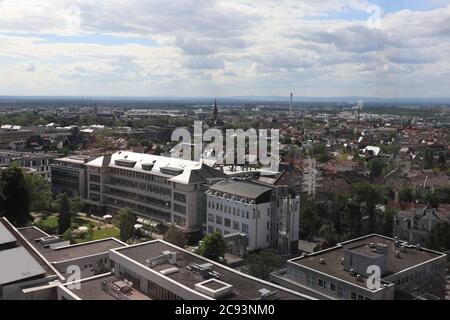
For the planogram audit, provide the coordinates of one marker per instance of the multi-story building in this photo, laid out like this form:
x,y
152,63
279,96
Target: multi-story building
x,y
415,224
166,190
37,162
38,266
267,215
348,271
69,176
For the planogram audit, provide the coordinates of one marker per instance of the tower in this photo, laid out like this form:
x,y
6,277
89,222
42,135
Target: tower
x,y
290,109
216,112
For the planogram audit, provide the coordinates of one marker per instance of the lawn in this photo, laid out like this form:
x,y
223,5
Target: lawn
x,y
101,234
50,222
106,233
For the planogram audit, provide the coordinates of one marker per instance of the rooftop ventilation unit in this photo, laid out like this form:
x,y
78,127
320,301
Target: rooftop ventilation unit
x,y
322,261
204,269
359,278
171,171
342,260
265,294
165,257
125,163
147,166
397,254
169,271
47,241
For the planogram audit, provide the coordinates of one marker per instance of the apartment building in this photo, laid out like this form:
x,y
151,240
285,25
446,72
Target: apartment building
x,y
162,189
341,273
268,216
37,162
414,225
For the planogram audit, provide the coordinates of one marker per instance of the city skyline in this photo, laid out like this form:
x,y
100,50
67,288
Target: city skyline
x,y
225,48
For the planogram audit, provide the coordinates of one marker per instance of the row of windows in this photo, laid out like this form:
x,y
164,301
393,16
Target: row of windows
x,y
229,209
179,209
139,175
140,186
138,197
151,212
179,197
94,178
228,223
312,281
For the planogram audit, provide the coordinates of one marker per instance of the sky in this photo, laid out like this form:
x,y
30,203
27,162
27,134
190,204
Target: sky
x,y
144,48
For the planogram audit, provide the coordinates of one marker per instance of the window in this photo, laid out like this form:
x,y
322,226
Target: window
x,y
353,296
179,209
228,223
179,197
210,217
340,292
236,225
219,220
247,215
210,229
245,227
333,287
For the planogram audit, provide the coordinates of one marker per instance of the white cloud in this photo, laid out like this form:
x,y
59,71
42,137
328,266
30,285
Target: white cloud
x,y
220,47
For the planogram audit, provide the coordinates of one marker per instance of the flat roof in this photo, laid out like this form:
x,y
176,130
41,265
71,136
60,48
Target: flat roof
x,y
18,264
91,289
5,235
333,257
27,245
68,252
244,286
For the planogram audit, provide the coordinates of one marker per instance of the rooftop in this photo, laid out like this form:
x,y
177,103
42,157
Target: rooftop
x,y
243,287
243,189
96,288
177,170
332,258
32,234
26,261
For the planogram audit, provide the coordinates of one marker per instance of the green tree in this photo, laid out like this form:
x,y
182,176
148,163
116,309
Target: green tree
x,y
75,206
175,237
64,220
328,232
15,203
261,264
376,167
126,224
388,222
439,237
68,236
405,195
428,160
213,246
40,192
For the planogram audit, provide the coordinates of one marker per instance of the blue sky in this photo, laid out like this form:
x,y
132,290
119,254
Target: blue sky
x,y
224,47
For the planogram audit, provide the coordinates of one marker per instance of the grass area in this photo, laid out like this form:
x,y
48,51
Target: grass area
x,y
50,222
106,233
100,234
